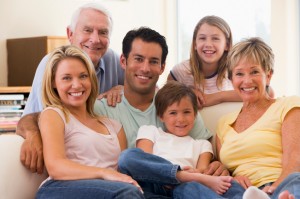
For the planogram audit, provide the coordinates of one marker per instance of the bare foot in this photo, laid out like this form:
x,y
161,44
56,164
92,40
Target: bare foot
x,y
219,184
286,195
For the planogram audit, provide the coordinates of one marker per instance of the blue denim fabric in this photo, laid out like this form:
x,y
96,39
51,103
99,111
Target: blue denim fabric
x,y
153,174
290,183
88,189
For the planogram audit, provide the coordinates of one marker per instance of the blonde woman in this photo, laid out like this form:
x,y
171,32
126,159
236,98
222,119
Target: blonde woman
x,y
80,148
259,144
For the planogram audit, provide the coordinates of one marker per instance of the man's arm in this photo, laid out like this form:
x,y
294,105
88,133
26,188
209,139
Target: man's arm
x,y
32,149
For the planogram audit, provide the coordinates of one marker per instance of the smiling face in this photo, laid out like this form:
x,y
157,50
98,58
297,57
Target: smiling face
x,y
210,45
72,83
142,67
250,80
179,117
91,34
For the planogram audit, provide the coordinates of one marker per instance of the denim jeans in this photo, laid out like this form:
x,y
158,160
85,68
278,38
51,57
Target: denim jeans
x,y
156,175
290,183
87,189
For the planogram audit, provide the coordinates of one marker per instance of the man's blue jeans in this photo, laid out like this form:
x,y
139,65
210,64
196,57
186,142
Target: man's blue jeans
x,y
291,183
88,189
156,175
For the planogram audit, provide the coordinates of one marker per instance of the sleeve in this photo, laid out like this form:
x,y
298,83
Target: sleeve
x,y
200,131
147,132
178,72
100,108
289,104
205,146
34,102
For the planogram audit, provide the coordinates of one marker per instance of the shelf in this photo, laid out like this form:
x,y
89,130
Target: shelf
x,y
15,89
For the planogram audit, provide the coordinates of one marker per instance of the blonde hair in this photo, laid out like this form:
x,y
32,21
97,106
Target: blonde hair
x,y
50,95
195,61
253,49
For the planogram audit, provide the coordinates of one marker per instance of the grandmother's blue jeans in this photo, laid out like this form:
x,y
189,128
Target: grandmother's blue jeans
x,y
156,175
88,189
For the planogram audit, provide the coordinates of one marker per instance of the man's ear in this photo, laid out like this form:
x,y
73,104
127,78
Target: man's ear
x,y
162,68
123,61
70,34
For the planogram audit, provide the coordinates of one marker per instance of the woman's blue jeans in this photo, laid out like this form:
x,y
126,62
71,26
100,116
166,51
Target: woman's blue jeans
x,y
88,189
157,177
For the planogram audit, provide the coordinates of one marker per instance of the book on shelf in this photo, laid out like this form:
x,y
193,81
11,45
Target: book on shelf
x,y
12,103
11,97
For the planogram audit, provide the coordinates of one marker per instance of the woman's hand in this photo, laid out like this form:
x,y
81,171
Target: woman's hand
x,y
113,175
243,181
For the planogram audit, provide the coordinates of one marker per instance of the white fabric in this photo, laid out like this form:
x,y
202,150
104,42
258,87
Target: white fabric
x,y
183,151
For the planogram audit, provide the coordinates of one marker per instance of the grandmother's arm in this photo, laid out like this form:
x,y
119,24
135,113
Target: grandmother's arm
x,y
290,132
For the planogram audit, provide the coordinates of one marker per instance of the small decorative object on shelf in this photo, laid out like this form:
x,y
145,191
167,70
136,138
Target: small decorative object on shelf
x,y
12,104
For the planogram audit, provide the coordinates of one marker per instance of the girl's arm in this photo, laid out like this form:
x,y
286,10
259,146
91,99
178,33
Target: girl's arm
x,y
203,161
58,165
122,139
290,147
145,144
219,97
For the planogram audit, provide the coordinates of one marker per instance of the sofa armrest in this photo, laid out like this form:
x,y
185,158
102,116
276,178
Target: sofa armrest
x,y
15,180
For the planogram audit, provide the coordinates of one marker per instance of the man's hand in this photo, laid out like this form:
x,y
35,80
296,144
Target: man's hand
x,y
216,168
32,153
113,96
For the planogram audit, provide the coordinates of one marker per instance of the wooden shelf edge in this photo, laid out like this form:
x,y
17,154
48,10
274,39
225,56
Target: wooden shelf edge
x,y
15,89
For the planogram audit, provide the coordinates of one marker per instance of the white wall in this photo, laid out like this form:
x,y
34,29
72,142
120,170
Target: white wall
x,y
285,44
50,17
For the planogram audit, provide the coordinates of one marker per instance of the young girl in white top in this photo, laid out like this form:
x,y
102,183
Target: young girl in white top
x,y
206,70
80,148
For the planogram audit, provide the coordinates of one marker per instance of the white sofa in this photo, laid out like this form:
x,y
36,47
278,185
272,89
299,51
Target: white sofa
x,y
16,182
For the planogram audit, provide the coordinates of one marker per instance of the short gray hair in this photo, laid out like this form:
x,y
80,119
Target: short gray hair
x,y
94,6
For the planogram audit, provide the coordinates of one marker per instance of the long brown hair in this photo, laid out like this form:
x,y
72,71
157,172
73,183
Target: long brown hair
x,y
195,62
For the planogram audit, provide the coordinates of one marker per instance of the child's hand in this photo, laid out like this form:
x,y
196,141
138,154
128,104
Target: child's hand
x,y
200,98
190,169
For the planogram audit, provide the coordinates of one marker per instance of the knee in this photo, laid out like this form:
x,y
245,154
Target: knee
x,y
294,176
127,158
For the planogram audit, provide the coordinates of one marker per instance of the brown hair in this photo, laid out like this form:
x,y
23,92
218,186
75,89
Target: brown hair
x,y
172,92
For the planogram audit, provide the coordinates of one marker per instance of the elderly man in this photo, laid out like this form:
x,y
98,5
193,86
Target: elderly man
x,y
90,30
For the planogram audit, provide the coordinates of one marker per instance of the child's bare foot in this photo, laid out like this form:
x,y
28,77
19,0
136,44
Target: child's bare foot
x,y
286,195
219,184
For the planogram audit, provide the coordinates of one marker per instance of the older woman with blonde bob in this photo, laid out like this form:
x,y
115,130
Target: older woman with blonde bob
x,y
80,148
259,144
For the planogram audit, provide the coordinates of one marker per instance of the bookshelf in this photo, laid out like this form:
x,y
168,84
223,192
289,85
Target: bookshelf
x,y
12,103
